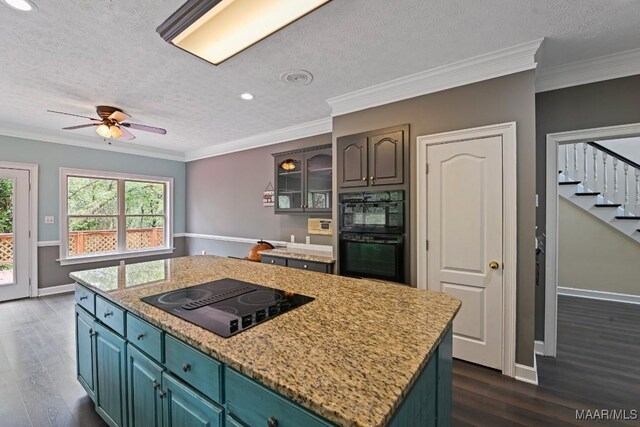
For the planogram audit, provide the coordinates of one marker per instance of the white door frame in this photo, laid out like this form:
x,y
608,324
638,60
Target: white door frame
x,y
507,131
551,253
33,221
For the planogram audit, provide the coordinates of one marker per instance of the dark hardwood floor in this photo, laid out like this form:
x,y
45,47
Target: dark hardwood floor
x,y
598,366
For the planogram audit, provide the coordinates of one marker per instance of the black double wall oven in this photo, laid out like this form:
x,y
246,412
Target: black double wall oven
x,y
372,235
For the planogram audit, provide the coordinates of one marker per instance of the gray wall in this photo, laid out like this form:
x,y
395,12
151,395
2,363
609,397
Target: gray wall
x,y
224,198
505,99
51,273
608,103
615,268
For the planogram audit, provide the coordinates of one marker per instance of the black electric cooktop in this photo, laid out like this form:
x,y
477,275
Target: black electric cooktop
x,y
227,306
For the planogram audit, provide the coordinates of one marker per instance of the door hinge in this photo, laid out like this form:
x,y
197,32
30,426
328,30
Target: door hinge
x,y
426,168
427,244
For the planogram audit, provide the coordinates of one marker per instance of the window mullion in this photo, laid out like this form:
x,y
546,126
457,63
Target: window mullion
x,y
122,221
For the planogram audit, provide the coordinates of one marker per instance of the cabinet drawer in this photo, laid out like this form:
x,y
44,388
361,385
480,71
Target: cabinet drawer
x,y
255,404
274,260
110,314
308,265
195,368
86,299
146,337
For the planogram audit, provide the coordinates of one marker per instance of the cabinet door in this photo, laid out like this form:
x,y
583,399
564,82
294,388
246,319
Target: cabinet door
x,y
289,183
111,381
85,351
352,162
184,407
144,379
318,166
386,158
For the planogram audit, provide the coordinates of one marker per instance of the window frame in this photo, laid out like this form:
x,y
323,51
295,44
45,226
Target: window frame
x,y
122,253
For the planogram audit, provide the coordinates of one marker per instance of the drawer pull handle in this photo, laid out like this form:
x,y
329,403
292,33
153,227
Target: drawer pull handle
x,y
156,385
84,297
306,266
186,367
272,422
162,394
108,313
92,333
273,261
140,337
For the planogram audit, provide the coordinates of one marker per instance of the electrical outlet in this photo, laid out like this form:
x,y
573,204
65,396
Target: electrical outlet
x,y
293,238
308,240
49,220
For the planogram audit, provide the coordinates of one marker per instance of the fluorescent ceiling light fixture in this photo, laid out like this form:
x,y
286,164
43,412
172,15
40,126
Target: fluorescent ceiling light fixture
x,y
215,30
21,5
246,96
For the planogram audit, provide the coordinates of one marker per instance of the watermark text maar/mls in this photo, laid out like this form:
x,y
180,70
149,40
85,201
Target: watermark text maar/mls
x,y
607,414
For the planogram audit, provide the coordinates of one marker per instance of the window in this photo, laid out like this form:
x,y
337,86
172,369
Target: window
x,y
110,216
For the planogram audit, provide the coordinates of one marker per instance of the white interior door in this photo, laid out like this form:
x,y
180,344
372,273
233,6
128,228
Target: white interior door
x,y
14,234
465,232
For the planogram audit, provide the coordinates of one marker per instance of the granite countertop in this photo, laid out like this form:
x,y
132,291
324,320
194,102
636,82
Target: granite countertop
x,y
301,254
350,356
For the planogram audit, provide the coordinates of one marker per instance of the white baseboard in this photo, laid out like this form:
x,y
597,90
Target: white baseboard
x,y
53,290
539,347
600,295
526,373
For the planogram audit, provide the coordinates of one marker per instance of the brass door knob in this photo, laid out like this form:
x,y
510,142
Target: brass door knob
x,y
494,265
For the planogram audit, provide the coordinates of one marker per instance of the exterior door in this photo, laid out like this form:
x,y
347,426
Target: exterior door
x,y
386,159
353,162
14,234
464,229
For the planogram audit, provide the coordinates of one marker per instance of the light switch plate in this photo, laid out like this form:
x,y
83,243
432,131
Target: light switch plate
x,y
49,220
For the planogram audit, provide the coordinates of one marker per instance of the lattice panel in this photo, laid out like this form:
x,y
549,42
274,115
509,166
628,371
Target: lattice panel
x,y
88,242
6,248
145,238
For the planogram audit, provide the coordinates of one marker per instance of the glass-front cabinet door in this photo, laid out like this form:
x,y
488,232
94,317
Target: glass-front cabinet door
x,y
318,179
290,185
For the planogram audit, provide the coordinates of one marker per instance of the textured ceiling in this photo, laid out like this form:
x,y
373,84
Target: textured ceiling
x,y
76,54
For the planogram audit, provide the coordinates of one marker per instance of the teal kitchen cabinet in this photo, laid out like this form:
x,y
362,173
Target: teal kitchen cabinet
x,y
144,380
184,407
111,381
85,351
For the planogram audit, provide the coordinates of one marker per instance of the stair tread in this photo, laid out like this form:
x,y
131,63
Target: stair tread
x,y
588,193
607,205
569,182
630,217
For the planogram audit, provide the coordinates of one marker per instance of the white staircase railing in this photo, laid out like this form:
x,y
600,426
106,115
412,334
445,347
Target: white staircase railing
x,y
601,170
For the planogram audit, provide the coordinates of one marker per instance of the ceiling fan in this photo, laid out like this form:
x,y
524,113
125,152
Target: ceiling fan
x,y
112,123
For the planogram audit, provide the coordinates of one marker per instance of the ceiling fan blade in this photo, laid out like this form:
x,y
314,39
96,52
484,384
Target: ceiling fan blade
x,y
75,115
81,126
145,128
119,116
126,134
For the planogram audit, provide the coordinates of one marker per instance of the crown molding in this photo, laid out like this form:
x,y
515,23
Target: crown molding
x,y
303,130
593,70
502,62
87,142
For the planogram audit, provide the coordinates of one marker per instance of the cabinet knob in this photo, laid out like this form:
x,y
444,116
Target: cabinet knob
x,y
156,385
108,313
140,337
84,297
186,367
305,266
364,178
371,178
92,333
273,261
272,422
162,394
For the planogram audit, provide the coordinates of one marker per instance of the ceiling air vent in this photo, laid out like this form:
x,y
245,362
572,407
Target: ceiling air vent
x,y
297,77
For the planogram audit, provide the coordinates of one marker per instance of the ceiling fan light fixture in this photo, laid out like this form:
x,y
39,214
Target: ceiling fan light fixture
x,y
115,131
104,131
216,30
21,5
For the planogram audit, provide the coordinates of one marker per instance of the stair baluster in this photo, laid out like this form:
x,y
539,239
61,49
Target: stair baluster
x,y
595,168
604,176
566,162
625,167
615,181
585,174
575,161
637,189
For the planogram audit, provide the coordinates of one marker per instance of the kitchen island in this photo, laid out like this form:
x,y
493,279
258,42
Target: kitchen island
x,y
363,353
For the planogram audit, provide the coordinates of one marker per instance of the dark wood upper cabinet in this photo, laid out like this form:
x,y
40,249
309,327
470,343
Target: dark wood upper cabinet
x,y
373,158
304,181
386,159
353,162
